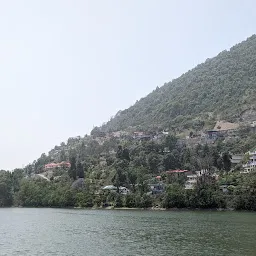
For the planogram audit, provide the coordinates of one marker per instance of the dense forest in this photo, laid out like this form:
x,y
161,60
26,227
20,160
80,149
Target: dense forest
x,y
221,88
135,166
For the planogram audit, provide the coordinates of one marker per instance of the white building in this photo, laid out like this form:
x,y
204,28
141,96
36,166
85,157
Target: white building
x,y
192,178
236,159
122,190
202,172
251,164
191,181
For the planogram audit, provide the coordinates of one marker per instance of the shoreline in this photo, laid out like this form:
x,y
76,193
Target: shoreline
x,y
136,209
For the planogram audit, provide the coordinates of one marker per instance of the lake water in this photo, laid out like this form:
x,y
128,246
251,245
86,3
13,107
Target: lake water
x,y
123,232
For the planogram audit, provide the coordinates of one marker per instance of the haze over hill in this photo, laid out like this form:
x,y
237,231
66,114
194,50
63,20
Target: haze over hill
x,y
69,65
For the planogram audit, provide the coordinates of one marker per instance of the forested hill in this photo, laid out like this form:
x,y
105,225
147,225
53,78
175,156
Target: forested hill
x,y
221,88
149,165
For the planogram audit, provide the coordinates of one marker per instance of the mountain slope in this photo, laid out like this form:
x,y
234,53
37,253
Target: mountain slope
x,y
221,88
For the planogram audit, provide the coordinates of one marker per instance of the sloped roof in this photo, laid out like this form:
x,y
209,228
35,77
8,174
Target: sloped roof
x,y
224,126
176,171
110,187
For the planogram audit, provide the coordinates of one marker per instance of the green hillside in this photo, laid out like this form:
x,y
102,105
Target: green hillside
x,y
153,164
221,88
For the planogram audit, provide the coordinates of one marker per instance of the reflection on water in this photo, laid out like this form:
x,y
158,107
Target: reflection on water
x,y
99,232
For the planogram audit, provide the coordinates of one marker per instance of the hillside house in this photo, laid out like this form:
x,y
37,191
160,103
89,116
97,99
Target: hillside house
x,y
236,159
176,172
225,126
213,134
192,178
141,136
116,134
156,188
191,181
57,165
222,129
224,188
155,185
251,164
122,190
110,188
119,134
253,126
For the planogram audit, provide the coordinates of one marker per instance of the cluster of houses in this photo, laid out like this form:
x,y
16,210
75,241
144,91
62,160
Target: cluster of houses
x,y
190,183
191,178
156,186
249,165
101,137
222,129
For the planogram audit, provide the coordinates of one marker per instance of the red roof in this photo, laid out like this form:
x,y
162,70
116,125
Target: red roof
x,y
158,177
51,165
56,165
176,171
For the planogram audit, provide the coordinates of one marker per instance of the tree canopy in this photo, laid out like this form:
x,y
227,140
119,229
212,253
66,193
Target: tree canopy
x,y
222,87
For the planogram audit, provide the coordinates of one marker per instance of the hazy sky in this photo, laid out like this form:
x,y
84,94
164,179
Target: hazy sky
x,y
66,65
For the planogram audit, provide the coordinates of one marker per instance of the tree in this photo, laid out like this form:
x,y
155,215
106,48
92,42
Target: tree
x,y
110,160
226,161
205,192
72,170
153,161
95,131
123,154
118,201
132,178
130,201
119,152
126,154
169,161
142,184
174,197
80,170
5,195
63,156
170,142
120,177
16,176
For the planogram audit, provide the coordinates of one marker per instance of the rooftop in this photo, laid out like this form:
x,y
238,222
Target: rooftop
x,y
224,126
176,171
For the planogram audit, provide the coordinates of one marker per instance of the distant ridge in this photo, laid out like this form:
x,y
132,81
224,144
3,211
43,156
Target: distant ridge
x,y
221,88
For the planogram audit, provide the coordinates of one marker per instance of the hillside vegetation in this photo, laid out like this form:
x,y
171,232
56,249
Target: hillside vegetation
x,y
223,87
145,151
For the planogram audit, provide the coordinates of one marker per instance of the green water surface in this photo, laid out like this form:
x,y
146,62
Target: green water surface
x,y
28,232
